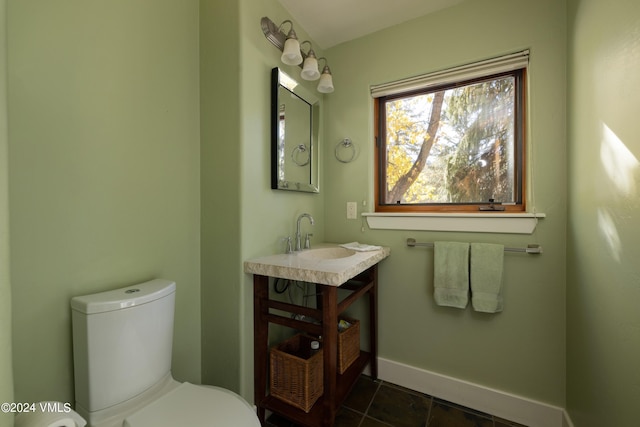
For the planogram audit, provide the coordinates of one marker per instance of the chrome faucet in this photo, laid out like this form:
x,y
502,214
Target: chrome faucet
x,y
298,237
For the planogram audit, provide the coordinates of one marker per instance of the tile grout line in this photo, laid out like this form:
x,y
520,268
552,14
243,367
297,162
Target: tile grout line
x,y
426,423
366,411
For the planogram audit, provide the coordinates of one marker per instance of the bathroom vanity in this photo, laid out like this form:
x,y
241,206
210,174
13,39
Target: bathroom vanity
x,y
331,269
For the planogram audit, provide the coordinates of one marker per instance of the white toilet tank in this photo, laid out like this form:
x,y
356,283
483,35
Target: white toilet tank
x,y
122,342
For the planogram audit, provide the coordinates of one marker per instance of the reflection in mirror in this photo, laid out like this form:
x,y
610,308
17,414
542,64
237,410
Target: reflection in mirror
x,y
294,135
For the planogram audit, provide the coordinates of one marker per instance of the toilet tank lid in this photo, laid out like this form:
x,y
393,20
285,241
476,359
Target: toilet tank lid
x,y
118,299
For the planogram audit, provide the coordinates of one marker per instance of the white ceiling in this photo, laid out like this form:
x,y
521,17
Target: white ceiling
x,y
331,22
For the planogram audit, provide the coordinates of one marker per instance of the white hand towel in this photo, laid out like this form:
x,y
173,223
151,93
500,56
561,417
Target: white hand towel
x,y
360,247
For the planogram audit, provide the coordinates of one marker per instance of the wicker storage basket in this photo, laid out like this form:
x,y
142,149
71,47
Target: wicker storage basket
x,y
348,345
295,377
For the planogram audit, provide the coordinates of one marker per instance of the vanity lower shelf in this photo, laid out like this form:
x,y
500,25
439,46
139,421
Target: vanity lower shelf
x,y
314,418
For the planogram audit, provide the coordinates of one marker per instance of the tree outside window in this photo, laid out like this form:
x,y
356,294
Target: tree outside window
x,y
456,147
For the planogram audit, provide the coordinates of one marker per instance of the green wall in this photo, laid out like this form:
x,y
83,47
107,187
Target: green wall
x,y
267,215
522,349
603,324
6,374
241,216
104,171
220,198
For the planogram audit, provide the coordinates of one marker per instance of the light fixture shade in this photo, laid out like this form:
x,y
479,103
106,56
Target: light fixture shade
x,y
310,67
325,85
291,53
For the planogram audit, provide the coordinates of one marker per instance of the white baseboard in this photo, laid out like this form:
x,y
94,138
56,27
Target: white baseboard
x,y
504,405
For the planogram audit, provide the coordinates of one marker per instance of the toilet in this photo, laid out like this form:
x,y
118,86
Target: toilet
x,y
122,341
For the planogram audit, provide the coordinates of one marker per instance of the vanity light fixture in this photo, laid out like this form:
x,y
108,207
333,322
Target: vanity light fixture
x,y
325,85
292,54
310,66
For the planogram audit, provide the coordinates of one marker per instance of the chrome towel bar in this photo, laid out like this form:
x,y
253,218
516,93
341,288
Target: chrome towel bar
x,y
532,249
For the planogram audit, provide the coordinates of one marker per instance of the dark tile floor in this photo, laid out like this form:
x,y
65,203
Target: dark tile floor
x,y
381,404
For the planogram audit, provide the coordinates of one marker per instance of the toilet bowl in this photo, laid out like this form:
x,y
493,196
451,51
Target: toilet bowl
x,y
192,405
49,414
122,342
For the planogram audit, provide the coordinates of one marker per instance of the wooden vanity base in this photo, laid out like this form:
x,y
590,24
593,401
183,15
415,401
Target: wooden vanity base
x,y
336,386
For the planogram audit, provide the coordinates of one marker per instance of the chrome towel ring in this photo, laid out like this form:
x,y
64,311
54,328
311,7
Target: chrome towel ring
x,y
345,151
298,152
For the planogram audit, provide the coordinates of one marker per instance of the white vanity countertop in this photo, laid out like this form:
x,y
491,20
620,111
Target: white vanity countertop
x,y
305,267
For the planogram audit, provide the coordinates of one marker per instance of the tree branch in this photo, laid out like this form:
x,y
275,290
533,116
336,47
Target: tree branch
x,y
405,181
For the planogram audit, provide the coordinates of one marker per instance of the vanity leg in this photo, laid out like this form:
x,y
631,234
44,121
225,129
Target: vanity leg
x,y
373,323
318,292
260,342
330,351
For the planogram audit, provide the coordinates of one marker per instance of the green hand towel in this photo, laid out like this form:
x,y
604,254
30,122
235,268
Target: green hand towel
x,y
486,277
451,274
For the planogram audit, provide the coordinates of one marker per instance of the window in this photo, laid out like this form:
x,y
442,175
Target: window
x,y
454,140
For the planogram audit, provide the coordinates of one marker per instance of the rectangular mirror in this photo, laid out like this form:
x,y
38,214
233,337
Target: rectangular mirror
x,y
295,113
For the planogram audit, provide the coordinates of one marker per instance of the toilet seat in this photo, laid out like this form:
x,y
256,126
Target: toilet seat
x,y
195,406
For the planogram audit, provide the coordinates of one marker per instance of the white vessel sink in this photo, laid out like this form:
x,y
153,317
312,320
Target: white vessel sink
x,y
327,264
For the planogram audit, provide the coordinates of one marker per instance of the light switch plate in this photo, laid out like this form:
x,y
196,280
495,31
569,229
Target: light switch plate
x,y
352,210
